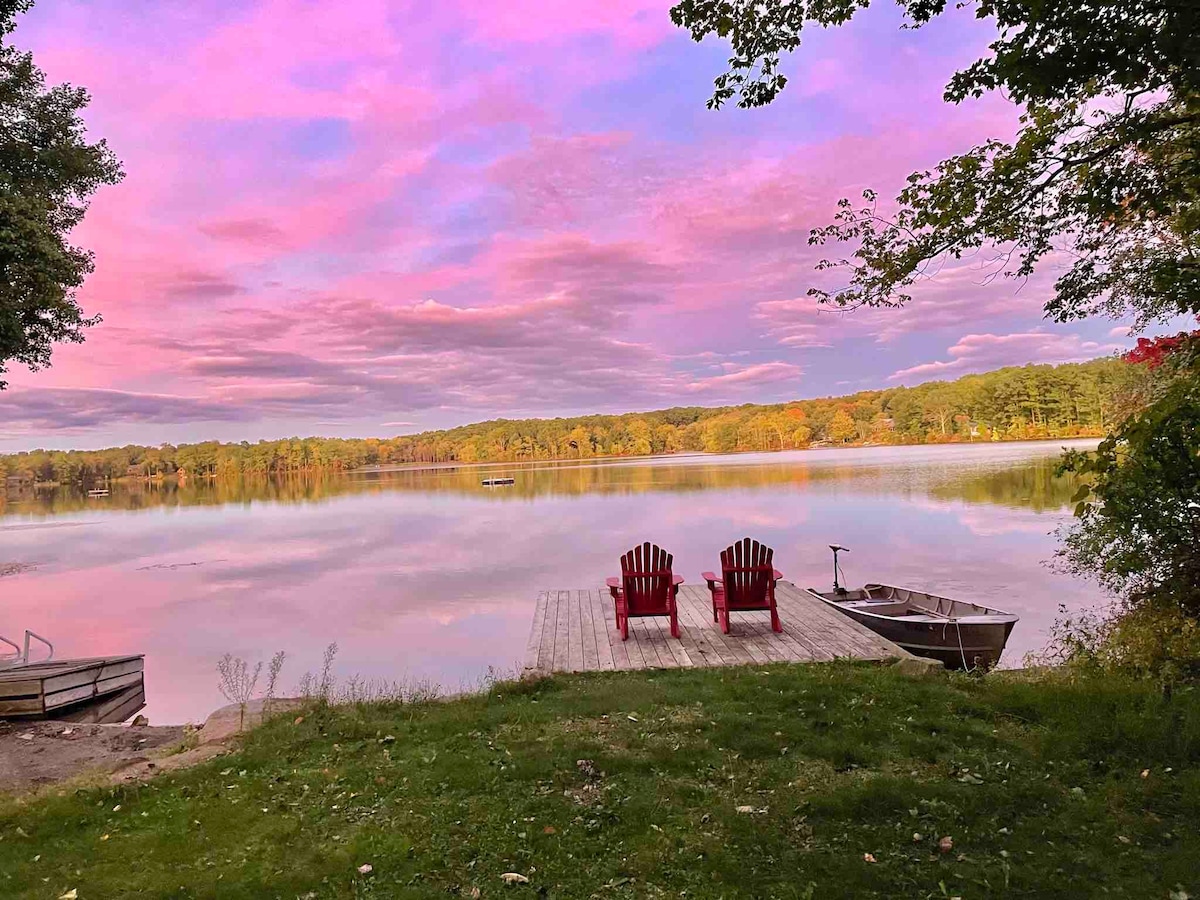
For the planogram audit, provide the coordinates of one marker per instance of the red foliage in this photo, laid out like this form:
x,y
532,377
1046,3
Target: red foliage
x,y
1154,351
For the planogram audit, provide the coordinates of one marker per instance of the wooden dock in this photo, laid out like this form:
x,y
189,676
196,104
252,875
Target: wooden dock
x,y
575,631
103,689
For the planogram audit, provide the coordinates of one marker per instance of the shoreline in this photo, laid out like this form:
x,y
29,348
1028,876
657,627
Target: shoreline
x,y
705,454
564,461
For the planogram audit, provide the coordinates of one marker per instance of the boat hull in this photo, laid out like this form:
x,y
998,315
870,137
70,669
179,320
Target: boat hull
x,y
960,635
981,645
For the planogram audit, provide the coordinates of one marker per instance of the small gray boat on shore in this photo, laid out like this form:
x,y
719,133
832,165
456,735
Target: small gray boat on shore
x,y
961,635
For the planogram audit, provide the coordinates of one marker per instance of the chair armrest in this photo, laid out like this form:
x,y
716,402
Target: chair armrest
x,y
711,578
613,582
678,580
778,575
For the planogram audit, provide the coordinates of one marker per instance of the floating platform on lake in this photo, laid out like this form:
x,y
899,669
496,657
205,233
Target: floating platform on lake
x,y
101,690
576,631
495,482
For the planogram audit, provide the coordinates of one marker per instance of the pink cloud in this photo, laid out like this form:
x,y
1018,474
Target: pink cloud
x,y
325,219
962,293
627,23
741,376
257,231
800,322
561,181
980,352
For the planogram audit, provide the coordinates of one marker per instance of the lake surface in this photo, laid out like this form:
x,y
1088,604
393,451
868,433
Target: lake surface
x,y
425,574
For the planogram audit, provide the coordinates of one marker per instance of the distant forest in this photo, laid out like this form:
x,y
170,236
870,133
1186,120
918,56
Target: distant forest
x,y
1018,403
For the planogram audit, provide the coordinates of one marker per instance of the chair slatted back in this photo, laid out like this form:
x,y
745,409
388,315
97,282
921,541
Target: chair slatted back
x,y
647,579
747,570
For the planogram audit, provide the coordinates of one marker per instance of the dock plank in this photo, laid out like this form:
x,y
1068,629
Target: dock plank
x,y
699,624
87,691
534,644
605,657
744,631
638,634
591,656
546,648
692,639
576,631
561,661
800,649
672,647
619,648
116,708
73,687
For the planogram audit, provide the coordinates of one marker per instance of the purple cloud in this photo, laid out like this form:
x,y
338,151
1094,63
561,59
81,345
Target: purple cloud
x,y
28,411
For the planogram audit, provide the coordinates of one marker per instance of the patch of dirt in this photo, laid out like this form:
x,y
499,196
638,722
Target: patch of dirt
x,y
604,732
15,568
591,792
685,716
34,754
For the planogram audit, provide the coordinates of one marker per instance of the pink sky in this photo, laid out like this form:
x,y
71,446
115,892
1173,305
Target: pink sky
x,y
370,217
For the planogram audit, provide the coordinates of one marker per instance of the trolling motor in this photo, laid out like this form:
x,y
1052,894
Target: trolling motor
x,y
837,548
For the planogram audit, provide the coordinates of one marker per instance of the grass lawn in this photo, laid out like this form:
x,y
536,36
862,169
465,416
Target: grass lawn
x,y
817,781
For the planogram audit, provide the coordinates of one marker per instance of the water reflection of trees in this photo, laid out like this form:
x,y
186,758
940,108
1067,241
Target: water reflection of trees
x,y
1031,485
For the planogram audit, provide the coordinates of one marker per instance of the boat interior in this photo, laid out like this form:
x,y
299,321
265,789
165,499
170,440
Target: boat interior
x,y
902,603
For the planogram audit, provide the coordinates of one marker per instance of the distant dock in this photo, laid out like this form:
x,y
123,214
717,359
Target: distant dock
x,y
575,631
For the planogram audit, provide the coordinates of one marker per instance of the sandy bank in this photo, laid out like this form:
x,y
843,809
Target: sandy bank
x,y
39,755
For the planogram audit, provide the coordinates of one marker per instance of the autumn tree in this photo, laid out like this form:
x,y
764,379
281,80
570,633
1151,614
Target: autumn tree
x,y
841,427
794,420
941,407
639,437
48,173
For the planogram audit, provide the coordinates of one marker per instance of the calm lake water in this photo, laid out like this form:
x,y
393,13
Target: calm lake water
x,y
425,574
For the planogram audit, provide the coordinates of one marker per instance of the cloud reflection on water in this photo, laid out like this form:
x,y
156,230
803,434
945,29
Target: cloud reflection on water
x,y
427,574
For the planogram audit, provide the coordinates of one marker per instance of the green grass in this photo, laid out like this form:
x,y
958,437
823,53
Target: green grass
x,y
1038,784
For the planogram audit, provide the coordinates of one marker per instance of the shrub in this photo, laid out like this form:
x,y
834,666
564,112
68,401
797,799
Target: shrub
x,y
1153,639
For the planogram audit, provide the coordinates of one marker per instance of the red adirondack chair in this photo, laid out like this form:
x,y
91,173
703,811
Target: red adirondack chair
x,y
747,582
646,587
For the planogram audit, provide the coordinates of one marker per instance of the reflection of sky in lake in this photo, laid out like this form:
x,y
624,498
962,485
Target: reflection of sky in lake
x,y
432,576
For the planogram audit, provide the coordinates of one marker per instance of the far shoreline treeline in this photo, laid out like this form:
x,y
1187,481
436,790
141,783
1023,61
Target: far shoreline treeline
x,y
1016,403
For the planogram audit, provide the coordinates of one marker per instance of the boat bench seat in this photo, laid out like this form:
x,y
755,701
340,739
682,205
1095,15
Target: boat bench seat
x,y
882,609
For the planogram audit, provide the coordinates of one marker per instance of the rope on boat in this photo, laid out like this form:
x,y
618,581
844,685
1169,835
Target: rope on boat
x,y
958,631
949,620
